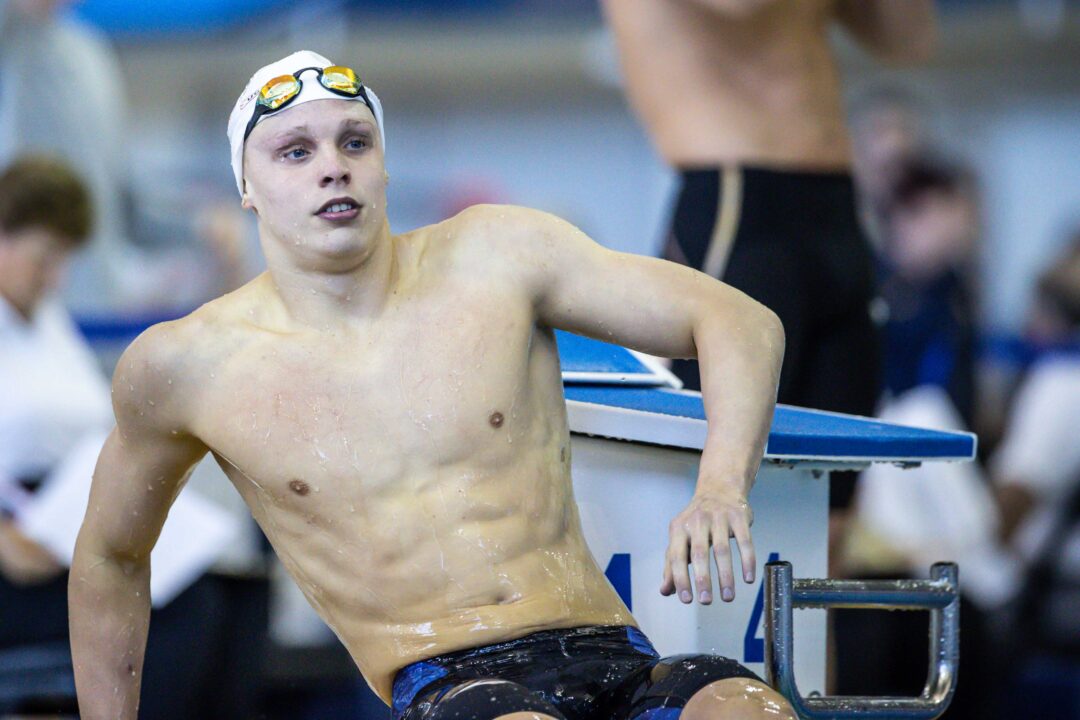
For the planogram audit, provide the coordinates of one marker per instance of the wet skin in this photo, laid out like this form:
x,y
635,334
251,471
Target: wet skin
x,y
753,81
390,407
414,477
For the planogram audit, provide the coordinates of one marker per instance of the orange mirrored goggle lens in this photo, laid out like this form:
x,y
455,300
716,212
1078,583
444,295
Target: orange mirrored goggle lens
x,y
278,91
340,78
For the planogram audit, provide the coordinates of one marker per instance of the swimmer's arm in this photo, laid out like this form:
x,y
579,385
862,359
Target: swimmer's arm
x,y
141,468
670,310
900,31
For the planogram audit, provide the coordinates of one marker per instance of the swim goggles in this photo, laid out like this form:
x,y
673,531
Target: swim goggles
x,y
280,91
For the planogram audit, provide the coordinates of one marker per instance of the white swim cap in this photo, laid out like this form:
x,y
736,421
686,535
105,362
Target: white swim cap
x,y
312,90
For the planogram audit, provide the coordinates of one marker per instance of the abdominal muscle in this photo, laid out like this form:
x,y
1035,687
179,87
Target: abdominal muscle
x,y
442,565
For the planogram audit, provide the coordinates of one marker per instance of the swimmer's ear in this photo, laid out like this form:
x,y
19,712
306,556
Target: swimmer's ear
x,y
245,201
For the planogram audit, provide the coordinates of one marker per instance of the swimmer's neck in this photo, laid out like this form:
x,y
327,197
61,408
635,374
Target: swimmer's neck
x,y
330,293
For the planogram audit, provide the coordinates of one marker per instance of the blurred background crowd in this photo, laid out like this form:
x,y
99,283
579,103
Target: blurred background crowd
x,y
118,209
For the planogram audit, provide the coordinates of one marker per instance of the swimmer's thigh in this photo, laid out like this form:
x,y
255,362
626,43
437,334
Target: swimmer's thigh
x,y
674,680
480,699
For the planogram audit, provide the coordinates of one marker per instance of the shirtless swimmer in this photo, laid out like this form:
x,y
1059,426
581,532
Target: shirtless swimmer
x,y
390,407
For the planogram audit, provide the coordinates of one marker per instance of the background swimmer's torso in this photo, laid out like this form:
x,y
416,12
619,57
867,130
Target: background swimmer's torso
x,y
719,87
413,473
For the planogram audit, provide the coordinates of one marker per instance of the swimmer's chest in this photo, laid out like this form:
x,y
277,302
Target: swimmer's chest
x,y
440,387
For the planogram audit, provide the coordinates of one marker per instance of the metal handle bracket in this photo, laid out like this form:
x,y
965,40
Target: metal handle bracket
x,y
940,595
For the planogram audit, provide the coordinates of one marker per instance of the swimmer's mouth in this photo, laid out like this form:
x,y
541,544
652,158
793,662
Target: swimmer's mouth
x,y
342,208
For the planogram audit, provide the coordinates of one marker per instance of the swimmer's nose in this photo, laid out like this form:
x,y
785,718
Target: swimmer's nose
x,y
337,176
335,172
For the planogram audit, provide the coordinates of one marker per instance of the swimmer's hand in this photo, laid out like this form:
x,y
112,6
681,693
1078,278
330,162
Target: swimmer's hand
x,y
711,518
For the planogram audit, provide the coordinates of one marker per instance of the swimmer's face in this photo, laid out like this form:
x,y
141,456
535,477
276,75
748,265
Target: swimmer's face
x,y
314,175
32,263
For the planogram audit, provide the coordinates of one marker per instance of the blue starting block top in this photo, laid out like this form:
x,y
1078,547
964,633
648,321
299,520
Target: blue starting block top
x,y
652,413
585,360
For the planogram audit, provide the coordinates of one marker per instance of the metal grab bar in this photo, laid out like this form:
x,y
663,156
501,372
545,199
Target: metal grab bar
x,y
940,595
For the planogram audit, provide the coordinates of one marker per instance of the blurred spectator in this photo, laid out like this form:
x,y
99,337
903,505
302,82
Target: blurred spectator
x,y
1039,460
55,399
887,130
1036,471
931,223
1055,315
53,393
61,92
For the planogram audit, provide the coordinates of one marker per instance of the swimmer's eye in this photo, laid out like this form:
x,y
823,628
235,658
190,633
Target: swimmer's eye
x,y
295,153
358,142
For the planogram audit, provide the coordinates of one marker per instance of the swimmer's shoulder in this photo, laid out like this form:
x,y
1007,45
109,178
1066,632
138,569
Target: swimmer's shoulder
x,y
155,374
190,344
508,234
253,306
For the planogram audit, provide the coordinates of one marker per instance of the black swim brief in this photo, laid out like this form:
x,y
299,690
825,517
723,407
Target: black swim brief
x,y
792,240
586,673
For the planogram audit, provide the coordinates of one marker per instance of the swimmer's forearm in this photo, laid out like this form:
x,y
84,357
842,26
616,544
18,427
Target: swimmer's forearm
x,y
740,370
109,614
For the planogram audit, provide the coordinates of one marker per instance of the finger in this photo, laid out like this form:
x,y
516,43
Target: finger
x,y
699,557
722,552
746,551
678,562
667,586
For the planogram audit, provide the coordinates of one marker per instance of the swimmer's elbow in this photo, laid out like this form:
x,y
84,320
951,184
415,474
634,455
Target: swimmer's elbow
x,y
97,547
773,327
763,328
896,32
755,325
